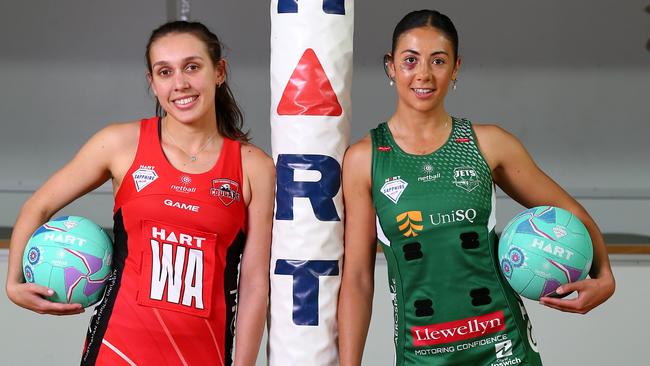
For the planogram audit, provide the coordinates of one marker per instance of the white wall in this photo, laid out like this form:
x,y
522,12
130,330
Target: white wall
x,y
571,79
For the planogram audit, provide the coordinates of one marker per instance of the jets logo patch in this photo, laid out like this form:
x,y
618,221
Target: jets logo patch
x,y
466,178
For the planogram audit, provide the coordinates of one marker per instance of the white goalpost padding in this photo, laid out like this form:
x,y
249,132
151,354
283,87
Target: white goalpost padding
x,y
311,77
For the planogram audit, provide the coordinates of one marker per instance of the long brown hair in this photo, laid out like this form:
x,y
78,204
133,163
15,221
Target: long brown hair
x,y
230,120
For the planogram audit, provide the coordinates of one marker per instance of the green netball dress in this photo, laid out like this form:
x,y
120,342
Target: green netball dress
x,y
435,223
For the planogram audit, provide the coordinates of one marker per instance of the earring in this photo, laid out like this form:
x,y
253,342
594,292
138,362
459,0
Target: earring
x,y
391,83
454,86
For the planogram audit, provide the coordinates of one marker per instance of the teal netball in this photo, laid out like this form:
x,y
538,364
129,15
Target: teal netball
x,y
72,256
543,248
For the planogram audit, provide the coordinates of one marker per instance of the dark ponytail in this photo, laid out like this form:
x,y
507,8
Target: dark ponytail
x,y
230,120
427,18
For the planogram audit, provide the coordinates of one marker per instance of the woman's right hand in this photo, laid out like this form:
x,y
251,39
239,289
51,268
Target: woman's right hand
x,y
33,297
96,162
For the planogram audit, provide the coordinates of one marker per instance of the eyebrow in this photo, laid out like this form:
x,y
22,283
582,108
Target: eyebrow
x,y
186,59
432,53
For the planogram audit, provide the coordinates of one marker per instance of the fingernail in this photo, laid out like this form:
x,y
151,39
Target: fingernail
x,y
559,290
50,292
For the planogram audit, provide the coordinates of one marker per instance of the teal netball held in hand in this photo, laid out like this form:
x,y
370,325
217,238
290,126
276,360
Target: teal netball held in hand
x,y
422,184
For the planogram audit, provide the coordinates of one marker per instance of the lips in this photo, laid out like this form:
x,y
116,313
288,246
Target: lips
x,y
185,102
423,92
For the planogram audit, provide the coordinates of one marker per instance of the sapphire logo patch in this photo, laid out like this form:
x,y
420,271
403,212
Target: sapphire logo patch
x,y
393,188
144,176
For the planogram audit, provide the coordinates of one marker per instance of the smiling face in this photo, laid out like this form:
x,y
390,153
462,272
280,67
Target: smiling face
x,y
423,66
183,77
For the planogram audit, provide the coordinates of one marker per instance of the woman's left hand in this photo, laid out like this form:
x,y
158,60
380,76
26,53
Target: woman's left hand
x,y
591,293
515,172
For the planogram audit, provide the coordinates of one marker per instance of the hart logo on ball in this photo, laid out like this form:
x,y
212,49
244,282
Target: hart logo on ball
x,y
64,239
553,249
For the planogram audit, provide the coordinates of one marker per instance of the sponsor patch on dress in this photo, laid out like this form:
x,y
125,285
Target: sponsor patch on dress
x,y
393,188
466,178
227,190
144,176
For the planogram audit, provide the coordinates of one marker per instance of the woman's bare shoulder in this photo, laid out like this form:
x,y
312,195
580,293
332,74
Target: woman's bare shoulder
x,y
254,158
360,150
116,137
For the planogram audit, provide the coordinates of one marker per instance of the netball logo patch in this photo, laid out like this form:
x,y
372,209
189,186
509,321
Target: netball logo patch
x,y
227,190
466,178
185,180
429,174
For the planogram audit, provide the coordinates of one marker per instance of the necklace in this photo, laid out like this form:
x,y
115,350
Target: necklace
x,y
193,157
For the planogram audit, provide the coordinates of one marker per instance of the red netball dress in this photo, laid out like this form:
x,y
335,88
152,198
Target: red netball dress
x,y
172,296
